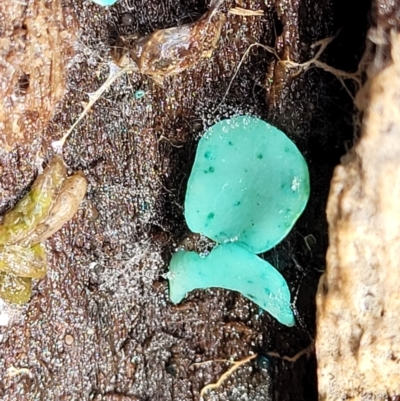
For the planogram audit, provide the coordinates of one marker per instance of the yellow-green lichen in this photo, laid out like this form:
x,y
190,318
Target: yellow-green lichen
x,y
52,201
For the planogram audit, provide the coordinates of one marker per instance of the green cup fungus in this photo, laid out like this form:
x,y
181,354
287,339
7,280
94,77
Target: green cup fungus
x,y
248,186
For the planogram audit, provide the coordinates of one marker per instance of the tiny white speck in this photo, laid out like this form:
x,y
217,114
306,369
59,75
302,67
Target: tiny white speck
x,y
57,146
4,319
4,315
295,184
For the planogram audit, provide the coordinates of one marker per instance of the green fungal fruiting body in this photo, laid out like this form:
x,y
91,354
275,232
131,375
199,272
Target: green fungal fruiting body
x,y
248,186
139,94
249,183
105,3
232,267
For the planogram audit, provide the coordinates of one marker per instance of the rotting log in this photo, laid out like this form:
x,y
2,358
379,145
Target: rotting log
x,y
100,326
35,43
358,302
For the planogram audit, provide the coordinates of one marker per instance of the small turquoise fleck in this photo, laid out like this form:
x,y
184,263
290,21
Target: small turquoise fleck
x,y
104,2
139,94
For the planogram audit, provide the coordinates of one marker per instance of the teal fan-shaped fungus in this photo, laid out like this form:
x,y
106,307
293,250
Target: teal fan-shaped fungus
x,y
248,186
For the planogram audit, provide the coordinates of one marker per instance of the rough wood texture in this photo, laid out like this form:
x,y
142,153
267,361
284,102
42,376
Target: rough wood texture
x,y
35,43
358,302
100,325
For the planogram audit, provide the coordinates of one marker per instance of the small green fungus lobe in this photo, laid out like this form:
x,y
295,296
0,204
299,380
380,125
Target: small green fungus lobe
x,y
255,194
229,266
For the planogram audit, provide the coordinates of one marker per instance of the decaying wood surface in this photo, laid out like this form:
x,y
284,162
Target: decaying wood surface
x,y
36,39
100,325
358,301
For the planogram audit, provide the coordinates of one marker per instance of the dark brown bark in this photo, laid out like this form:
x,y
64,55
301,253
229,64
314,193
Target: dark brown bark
x,y
100,326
